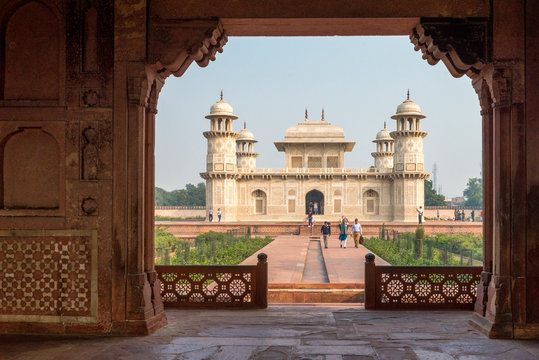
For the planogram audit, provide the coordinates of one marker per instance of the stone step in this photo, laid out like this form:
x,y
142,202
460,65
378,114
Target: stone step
x,y
316,295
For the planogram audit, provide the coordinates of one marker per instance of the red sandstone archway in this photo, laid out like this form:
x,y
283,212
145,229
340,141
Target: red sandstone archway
x,y
108,79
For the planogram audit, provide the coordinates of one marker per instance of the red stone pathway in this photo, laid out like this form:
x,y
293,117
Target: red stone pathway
x,y
286,260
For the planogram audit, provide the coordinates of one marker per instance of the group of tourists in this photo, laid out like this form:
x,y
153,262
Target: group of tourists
x,y
460,215
355,231
210,214
314,207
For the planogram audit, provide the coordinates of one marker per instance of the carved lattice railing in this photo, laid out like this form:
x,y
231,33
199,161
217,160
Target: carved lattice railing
x,y
420,287
215,285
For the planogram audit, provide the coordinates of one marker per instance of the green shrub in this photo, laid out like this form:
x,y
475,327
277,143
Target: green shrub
x,y
213,248
419,232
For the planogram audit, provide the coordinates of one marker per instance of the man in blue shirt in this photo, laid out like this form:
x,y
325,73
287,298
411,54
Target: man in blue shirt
x,y
326,231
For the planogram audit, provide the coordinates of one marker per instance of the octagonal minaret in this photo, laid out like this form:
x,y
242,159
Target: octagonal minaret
x,y
408,175
408,137
221,168
221,155
383,156
245,152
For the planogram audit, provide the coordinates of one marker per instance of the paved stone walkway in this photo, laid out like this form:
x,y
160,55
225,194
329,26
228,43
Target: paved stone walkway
x,y
286,332
287,254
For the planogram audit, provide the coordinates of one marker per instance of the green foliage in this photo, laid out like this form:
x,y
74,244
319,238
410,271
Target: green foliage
x,y
211,248
172,218
419,232
441,249
190,196
432,198
165,244
474,192
394,255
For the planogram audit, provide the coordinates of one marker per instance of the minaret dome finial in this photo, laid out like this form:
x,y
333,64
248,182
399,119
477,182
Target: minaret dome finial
x,y
323,115
384,124
221,95
306,114
408,95
245,124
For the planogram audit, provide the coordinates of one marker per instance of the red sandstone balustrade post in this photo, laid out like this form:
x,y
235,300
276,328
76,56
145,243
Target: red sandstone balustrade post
x,y
370,282
262,281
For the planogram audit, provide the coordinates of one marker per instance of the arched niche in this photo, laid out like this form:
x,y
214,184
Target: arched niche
x,y
312,198
32,44
371,202
30,170
259,201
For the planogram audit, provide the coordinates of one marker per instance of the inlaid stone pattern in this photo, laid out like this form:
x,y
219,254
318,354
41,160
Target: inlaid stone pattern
x,y
45,276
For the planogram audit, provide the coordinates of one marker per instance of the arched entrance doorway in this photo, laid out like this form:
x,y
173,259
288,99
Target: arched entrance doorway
x,y
314,202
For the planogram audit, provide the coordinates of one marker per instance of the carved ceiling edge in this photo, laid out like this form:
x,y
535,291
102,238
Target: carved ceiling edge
x,y
175,45
462,45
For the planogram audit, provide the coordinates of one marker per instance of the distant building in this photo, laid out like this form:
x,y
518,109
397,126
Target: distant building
x,y
314,177
456,201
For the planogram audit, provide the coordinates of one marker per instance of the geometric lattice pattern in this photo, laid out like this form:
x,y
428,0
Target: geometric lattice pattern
x,y
45,275
427,287
207,285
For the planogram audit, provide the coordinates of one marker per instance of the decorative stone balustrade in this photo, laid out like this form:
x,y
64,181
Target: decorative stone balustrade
x,y
420,287
215,286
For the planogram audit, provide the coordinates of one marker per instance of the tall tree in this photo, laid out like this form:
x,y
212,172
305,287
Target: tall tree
x,y
432,198
190,196
474,192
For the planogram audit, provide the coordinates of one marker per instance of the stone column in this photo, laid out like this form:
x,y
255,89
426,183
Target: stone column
x,y
506,199
149,196
485,100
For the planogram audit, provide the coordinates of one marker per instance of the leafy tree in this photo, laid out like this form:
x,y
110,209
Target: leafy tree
x,y
474,192
432,198
190,196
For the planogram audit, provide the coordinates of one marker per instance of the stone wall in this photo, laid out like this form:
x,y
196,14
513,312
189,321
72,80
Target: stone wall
x,y
191,228
181,211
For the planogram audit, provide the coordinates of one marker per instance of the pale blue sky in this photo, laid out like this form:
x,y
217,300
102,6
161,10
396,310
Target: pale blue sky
x,y
359,81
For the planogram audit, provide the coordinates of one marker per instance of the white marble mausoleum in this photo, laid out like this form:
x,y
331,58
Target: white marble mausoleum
x,y
314,171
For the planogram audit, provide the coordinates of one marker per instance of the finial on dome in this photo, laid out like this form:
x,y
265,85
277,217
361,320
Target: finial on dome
x,y
245,124
384,124
221,95
408,95
306,114
323,115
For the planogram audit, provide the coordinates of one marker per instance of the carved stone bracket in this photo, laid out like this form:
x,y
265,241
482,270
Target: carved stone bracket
x,y
174,45
460,44
500,84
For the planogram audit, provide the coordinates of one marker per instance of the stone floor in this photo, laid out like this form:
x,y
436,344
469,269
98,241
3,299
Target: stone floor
x,y
286,332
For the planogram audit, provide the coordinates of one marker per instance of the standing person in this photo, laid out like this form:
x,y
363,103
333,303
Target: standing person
x,y
315,207
473,215
219,214
310,218
326,231
481,215
438,214
420,215
463,215
456,214
356,232
210,214
310,206
343,232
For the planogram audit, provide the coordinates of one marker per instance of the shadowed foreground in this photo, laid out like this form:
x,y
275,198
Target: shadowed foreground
x,y
287,332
